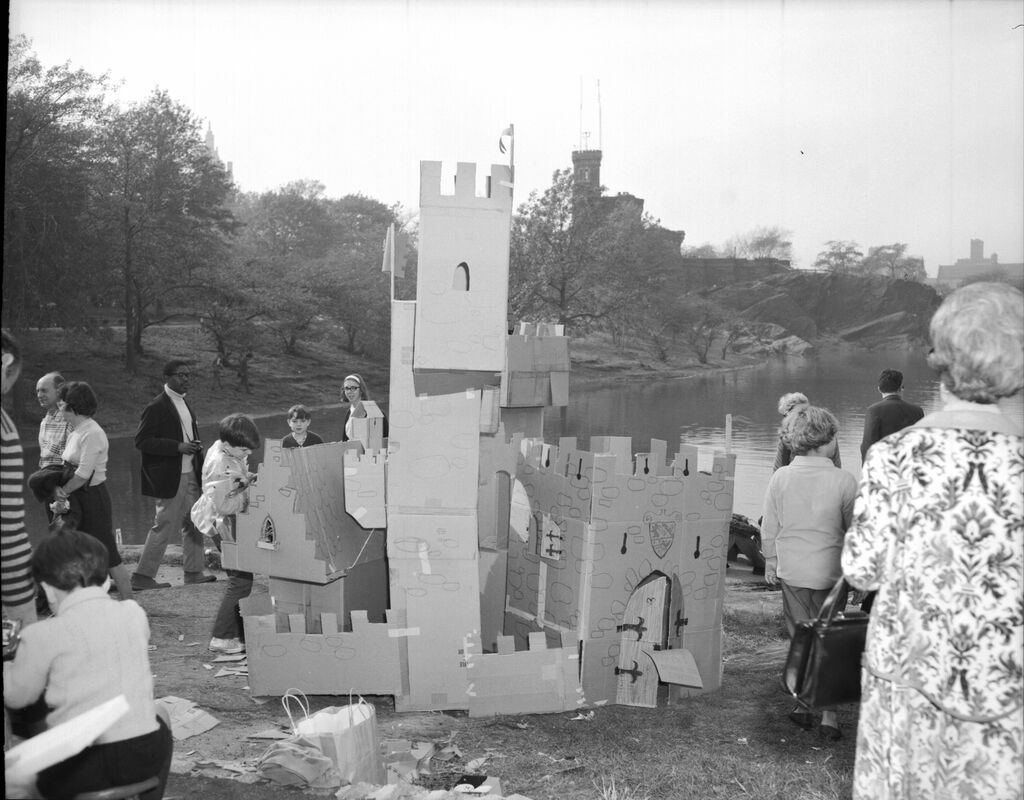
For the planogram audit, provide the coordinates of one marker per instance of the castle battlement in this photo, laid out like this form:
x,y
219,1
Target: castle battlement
x,y
499,187
607,488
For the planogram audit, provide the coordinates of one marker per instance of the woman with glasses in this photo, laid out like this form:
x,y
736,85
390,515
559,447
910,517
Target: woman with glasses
x,y
88,448
354,392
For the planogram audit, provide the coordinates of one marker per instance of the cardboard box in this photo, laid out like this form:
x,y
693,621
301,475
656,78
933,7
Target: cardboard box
x,y
536,680
369,430
296,525
364,660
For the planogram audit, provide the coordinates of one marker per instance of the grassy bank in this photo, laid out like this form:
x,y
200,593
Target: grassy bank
x,y
277,380
733,743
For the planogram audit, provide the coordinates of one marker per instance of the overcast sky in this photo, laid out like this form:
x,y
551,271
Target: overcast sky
x,y
870,121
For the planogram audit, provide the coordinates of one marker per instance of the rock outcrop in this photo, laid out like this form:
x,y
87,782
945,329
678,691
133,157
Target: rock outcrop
x,y
865,310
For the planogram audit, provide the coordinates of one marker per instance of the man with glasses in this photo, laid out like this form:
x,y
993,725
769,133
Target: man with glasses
x,y
172,462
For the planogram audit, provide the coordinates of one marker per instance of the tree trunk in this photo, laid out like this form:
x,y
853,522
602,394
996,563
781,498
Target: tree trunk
x,y
130,361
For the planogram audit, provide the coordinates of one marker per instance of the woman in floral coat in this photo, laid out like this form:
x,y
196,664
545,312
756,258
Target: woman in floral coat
x,y
939,531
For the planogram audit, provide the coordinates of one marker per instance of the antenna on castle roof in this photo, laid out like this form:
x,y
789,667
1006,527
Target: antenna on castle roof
x,y
580,143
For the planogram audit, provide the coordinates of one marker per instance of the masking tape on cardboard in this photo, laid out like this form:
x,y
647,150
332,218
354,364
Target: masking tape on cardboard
x,y
350,471
359,513
396,633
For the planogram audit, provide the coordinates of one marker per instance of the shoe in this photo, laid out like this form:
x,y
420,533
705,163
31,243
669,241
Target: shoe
x,y
227,646
199,577
757,571
802,719
142,582
831,732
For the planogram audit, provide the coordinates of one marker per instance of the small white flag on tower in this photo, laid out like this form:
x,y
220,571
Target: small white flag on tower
x,y
501,139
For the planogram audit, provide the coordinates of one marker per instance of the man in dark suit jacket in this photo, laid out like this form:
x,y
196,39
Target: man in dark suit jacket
x,y
892,413
172,463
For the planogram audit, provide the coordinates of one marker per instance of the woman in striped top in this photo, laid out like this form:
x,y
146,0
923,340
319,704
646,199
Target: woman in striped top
x,y
18,588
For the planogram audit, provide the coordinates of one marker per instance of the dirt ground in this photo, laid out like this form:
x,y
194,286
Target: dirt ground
x,y
220,763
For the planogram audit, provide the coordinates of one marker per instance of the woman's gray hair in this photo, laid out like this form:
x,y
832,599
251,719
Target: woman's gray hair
x,y
808,427
790,401
978,342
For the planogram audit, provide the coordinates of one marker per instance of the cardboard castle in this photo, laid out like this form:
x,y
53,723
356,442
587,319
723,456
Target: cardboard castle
x,y
467,564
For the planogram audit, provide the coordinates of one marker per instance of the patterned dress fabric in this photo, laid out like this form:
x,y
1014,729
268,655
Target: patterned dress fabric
x,y
939,530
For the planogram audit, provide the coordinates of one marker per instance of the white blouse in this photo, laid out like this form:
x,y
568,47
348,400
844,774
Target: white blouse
x,y
88,448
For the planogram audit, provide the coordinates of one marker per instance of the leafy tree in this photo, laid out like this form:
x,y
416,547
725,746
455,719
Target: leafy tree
x,y
51,124
286,236
362,297
229,308
890,260
706,250
839,257
575,258
160,202
773,242
700,323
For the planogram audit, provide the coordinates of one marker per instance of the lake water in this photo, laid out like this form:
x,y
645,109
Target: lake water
x,y
694,408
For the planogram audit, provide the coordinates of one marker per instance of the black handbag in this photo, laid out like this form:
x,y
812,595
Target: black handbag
x,y
823,665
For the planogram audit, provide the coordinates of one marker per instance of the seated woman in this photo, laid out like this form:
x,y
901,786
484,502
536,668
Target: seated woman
x,y
354,392
91,651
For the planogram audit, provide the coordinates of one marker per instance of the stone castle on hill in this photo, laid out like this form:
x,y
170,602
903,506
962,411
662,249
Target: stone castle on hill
x,y
698,272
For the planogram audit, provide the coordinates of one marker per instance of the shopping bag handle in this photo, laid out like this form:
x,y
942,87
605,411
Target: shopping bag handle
x,y
301,700
829,608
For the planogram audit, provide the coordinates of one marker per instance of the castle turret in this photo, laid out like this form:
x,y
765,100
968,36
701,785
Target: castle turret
x,y
586,169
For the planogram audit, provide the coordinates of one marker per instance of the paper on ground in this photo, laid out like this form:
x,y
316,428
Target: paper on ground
x,y
63,741
187,719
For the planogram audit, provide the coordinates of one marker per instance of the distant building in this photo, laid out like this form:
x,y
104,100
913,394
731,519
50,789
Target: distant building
x,y
211,148
977,266
586,176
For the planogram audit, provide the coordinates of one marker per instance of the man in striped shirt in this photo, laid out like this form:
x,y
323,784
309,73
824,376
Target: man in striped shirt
x,y
18,590
53,430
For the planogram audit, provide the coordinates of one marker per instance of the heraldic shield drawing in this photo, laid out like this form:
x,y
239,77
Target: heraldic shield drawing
x,y
662,532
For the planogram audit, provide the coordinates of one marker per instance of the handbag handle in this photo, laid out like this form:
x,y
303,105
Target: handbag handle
x,y
829,608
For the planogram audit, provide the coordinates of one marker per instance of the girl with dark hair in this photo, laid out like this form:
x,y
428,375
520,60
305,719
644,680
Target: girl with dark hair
x,y
226,481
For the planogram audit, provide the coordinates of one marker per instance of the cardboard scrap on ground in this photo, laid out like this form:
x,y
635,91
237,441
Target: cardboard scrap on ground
x,y
241,670
405,760
240,771
187,719
233,657
491,789
270,733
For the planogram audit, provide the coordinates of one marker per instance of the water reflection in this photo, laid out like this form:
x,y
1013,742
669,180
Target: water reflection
x,y
841,380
